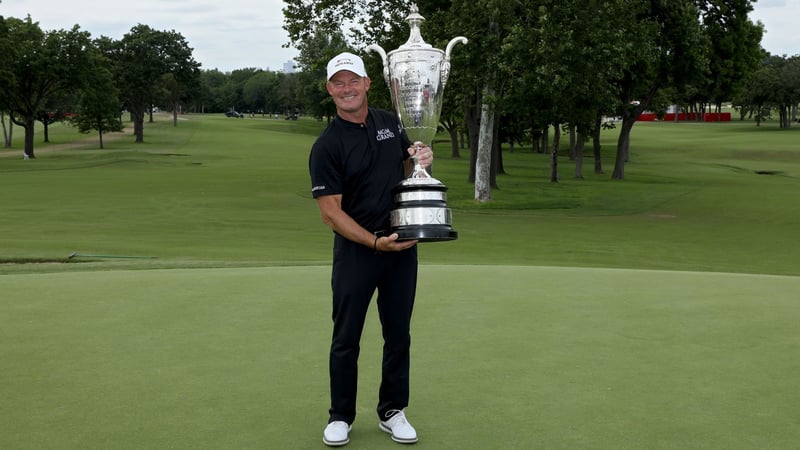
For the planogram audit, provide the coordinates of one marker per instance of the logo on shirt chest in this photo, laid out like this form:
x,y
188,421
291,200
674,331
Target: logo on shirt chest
x,y
385,134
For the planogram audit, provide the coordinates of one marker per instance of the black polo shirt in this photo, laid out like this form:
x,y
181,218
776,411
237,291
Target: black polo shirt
x,y
362,162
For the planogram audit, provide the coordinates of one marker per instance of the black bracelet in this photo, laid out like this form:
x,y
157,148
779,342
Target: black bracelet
x,y
375,244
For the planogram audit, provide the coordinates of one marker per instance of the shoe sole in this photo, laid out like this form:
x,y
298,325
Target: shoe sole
x,y
335,444
386,429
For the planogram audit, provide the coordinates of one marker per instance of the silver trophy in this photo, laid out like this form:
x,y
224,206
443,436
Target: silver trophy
x,y
416,74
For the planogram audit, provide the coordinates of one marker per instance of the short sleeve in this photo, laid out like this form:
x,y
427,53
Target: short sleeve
x,y
326,176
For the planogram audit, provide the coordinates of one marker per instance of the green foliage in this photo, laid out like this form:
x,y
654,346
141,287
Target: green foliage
x,y
368,21
99,108
41,66
776,85
735,50
152,65
248,90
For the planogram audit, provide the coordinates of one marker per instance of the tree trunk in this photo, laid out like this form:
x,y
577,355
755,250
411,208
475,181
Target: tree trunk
x,y
138,129
497,153
545,139
137,116
175,116
596,146
6,132
483,163
454,151
497,164
758,115
572,142
100,130
784,116
623,147
29,128
554,153
536,138
579,147
473,131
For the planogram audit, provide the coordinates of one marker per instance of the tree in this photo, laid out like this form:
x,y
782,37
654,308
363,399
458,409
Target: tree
x,y
286,95
787,96
98,105
484,63
571,53
142,59
734,51
8,55
56,108
774,86
42,65
758,96
664,47
235,89
213,87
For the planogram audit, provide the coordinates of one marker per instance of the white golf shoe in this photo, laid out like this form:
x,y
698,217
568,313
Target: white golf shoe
x,y
399,428
335,434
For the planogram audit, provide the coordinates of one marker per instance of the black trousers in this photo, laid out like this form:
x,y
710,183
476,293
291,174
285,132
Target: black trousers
x,y
357,273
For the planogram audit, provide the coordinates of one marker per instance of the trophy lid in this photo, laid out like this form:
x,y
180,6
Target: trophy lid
x,y
415,40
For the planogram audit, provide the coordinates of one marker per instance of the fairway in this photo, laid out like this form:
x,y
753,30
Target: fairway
x,y
504,357
658,312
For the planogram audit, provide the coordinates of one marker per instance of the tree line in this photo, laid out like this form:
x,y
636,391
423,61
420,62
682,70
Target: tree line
x,y
533,71
532,66
55,75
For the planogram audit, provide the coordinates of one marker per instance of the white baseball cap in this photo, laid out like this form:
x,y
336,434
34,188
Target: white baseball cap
x,y
346,61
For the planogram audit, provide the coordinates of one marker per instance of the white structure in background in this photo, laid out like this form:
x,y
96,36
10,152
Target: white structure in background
x,y
288,67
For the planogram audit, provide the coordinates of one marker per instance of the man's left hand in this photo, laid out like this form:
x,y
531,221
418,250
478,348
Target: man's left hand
x,y
423,153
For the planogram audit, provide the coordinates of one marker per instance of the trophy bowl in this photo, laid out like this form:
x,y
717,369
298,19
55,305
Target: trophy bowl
x,y
416,74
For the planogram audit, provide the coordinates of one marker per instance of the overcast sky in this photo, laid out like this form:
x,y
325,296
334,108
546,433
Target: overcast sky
x,y
235,34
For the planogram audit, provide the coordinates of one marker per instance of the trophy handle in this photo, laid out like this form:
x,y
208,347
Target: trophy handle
x,y
446,63
379,50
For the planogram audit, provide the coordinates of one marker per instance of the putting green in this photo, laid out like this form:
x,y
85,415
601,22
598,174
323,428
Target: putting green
x,y
503,357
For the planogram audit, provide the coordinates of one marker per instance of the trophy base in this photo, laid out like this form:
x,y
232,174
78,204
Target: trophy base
x,y
422,234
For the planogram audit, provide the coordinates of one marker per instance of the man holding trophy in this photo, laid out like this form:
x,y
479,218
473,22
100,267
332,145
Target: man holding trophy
x,y
360,167
354,165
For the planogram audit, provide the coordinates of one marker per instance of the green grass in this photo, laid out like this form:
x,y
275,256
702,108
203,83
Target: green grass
x,y
216,191
537,328
503,357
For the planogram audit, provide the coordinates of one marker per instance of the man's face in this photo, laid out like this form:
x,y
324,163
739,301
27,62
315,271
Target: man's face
x,y
349,91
